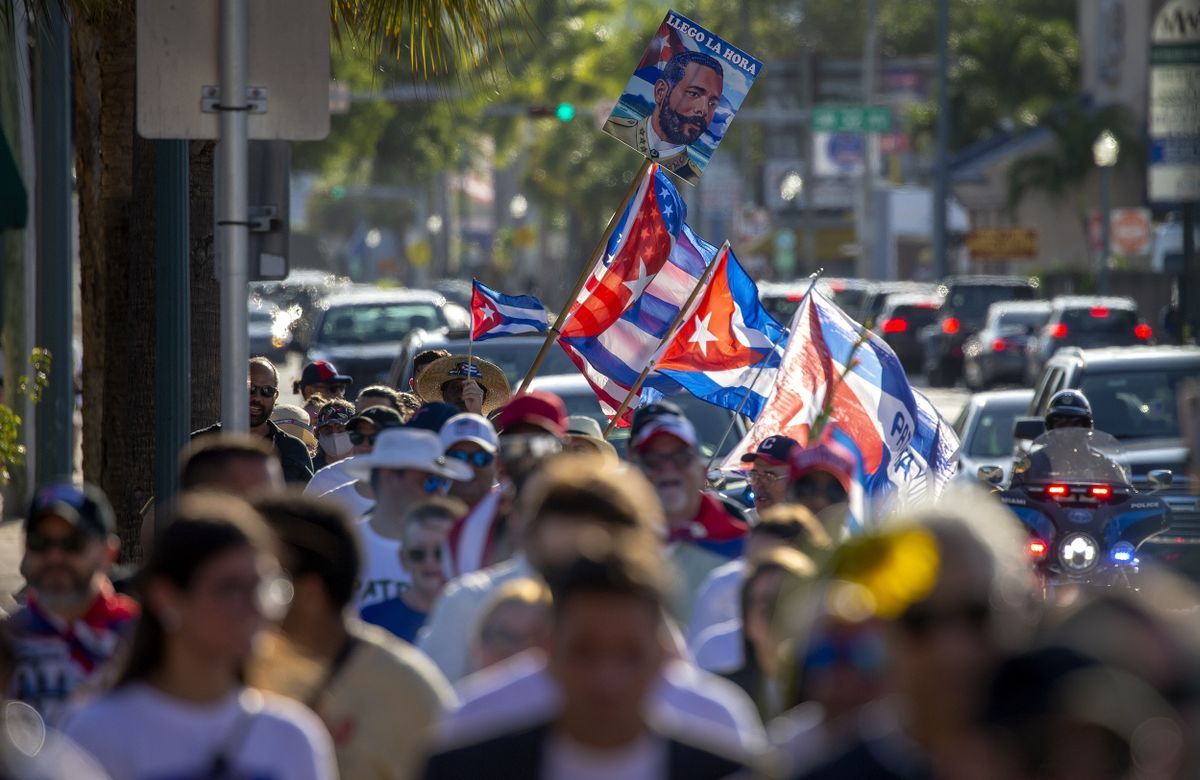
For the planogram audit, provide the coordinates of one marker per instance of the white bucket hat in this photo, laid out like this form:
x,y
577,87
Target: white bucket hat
x,y
408,448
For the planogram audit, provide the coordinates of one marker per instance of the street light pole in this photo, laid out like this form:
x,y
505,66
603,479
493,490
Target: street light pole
x,y
1105,152
233,220
941,176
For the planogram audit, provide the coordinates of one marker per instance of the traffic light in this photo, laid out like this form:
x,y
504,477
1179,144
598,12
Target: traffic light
x,y
565,112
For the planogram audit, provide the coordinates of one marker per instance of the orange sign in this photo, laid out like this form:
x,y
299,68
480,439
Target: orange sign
x,y
1002,243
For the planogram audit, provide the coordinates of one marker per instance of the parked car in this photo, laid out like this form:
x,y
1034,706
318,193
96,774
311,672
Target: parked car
x,y
362,330
985,428
1087,322
269,333
876,300
901,321
1133,398
711,422
963,314
848,293
513,354
997,353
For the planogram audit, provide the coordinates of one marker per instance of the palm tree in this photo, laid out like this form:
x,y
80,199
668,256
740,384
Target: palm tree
x,y
115,184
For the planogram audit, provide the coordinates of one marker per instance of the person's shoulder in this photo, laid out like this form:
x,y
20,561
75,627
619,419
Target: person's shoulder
x,y
501,756
400,662
288,718
285,439
689,759
105,714
477,583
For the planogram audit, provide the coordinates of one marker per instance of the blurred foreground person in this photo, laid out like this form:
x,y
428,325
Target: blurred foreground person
x,y
605,654
572,500
516,619
180,708
951,590
378,697
72,622
703,532
236,464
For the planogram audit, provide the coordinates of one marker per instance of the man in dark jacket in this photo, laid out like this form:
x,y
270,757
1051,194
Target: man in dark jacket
x,y
264,391
605,654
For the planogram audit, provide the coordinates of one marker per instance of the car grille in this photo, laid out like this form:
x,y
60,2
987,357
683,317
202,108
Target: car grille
x,y
1185,513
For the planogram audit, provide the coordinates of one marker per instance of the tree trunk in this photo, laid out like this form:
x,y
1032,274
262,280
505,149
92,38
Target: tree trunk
x,y
206,293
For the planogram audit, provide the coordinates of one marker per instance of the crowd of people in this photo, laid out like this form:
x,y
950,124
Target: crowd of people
x,y
451,581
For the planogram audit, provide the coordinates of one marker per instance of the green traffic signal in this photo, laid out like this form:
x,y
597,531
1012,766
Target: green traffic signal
x,y
337,191
565,112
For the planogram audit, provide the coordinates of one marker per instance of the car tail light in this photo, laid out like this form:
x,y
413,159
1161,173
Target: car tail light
x,y
1101,491
1143,332
1058,331
895,325
1037,549
999,345
1057,491
950,325
1099,312
795,297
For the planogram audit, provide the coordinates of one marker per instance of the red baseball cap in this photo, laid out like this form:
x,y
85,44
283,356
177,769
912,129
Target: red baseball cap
x,y
827,456
540,408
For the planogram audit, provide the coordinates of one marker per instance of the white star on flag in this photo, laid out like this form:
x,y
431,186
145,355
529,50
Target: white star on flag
x,y
702,335
488,311
639,283
667,210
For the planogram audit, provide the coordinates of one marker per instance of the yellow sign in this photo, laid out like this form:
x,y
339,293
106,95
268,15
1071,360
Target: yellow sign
x,y
1002,243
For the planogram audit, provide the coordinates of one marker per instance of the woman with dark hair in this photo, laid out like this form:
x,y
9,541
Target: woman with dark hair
x,y
180,709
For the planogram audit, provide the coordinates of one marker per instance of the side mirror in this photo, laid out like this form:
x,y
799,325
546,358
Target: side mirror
x,y
993,475
1161,478
1028,428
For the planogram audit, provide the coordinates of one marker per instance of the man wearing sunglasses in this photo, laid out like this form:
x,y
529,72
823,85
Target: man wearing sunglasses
x,y
72,621
471,439
405,468
703,531
264,392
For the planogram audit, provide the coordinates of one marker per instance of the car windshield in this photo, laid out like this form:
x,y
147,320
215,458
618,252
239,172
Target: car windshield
x,y
993,434
372,323
971,301
1099,319
1072,455
1132,404
1030,319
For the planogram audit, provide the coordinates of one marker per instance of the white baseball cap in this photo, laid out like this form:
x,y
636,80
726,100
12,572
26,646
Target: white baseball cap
x,y
470,427
408,448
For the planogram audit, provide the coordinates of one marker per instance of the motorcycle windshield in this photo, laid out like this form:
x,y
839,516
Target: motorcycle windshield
x,y
1072,455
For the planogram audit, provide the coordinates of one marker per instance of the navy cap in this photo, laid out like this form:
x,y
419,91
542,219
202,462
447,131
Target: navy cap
x,y
83,506
774,450
432,416
322,371
379,416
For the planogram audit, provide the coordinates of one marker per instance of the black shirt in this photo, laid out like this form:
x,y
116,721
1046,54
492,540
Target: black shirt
x,y
293,455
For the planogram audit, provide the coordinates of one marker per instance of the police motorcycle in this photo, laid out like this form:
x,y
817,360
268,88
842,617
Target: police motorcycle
x,y
1085,519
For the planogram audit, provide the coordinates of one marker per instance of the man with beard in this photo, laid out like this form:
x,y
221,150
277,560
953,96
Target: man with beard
x,y
264,392
686,97
73,621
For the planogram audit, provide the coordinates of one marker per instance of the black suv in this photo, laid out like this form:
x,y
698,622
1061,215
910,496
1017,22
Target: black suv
x,y
963,314
1132,391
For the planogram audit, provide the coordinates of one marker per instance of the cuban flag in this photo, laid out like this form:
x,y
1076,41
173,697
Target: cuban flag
x,y
906,450
727,351
650,267
496,314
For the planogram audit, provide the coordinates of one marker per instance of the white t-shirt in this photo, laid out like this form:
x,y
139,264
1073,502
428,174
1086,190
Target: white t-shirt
x,y
686,701
565,759
138,733
382,575
348,497
718,599
326,479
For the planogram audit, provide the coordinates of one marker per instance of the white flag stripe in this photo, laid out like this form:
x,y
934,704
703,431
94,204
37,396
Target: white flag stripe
x,y
518,312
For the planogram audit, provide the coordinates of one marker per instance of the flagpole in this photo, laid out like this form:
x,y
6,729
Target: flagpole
x,y
561,320
471,332
762,366
670,333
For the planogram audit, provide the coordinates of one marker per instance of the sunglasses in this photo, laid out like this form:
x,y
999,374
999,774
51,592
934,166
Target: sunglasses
x,y
421,554
265,391
476,459
920,620
864,652
434,485
357,438
40,543
764,477
656,460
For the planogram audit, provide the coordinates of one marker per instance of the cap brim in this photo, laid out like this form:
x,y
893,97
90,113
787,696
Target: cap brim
x,y
57,509
487,446
752,457
361,467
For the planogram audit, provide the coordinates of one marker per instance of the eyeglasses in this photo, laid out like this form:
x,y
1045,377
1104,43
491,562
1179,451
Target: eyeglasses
x,y
920,619
764,477
266,391
434,484
357,438
477,459
72,544
653,461
421,554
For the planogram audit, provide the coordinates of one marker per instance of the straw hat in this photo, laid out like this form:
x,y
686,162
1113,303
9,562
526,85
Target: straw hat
x,y
294,420
487,374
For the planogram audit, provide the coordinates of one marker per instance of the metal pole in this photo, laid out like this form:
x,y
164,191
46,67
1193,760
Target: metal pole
x,y
232,220
55,269
865,228
1106,221
941,174
1189,288
172,317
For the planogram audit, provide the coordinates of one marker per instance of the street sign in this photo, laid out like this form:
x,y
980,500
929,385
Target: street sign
x,y
851,119
288,69
1130,234
1174,124
1002,243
